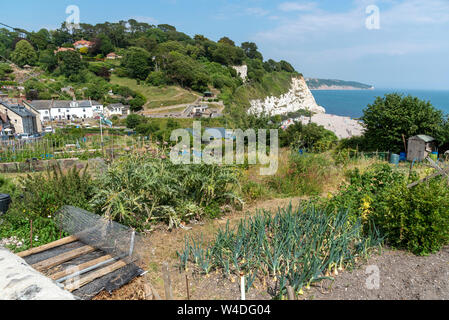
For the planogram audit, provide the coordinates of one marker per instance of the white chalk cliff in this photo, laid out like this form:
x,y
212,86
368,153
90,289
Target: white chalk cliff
x,y
299,97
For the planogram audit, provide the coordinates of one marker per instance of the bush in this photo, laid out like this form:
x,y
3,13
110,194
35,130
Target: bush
x,y
415,219
304,175
157,78
139,191
44,194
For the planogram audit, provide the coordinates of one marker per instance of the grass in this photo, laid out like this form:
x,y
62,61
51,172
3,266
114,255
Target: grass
x,y
158,96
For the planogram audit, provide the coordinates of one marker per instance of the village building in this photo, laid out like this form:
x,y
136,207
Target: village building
x,y
113,56
21,118
117,109
51,110
83,44
63,50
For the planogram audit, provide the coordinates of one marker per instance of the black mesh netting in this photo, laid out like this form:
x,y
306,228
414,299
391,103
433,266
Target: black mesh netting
x,y
111,237
108,238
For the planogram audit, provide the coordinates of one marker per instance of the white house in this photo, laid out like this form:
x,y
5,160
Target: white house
x,y
67,110
116,109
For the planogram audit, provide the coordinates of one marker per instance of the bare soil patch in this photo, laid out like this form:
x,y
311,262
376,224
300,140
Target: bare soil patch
x,y
403,276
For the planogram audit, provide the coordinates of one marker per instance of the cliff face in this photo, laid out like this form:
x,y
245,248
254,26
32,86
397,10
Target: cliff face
x,y
299,97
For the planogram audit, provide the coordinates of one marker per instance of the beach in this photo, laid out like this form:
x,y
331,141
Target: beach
x,y
343,127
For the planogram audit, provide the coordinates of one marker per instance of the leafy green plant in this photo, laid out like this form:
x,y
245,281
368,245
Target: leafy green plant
x,y
141,190
416,219
296,247
44,194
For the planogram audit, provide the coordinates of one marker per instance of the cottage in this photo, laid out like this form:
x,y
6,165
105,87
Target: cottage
x,y
117,109
50,110
22,119
83,44
113,56
420,147
63,50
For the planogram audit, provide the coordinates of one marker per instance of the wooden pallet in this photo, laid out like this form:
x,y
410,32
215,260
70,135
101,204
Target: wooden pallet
x,y
48,266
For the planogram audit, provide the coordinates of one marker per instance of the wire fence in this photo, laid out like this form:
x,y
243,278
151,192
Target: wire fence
x,y
67,147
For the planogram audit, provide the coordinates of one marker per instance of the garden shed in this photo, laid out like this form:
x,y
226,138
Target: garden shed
x,y
420,147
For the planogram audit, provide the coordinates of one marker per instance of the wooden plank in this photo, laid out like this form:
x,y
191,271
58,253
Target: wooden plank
x,y
72,286
60,259
80,267
47,246
428,178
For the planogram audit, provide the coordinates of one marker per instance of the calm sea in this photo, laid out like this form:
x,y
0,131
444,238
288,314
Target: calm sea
x,y
351,103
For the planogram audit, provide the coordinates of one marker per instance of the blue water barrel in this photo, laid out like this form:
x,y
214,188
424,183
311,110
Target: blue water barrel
x,y
434,156
394,159
402,156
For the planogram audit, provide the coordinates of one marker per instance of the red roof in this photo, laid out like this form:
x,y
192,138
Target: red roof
x,y
83,43
64,49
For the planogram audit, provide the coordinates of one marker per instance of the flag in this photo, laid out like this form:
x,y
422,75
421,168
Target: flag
x,y
106,121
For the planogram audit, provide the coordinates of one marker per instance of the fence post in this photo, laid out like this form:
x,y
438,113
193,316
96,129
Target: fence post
x,y
167,281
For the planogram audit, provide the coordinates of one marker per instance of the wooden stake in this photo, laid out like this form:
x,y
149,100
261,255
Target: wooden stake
x,y
187,286
31,234
291,293
167,281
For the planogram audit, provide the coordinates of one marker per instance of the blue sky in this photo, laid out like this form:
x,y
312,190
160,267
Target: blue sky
x,y
326,39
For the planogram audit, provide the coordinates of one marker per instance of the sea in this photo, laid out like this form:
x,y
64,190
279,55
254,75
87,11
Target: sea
x,y
350,103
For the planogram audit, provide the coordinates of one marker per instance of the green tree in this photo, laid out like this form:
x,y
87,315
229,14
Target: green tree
x,y
133,120
23,54
137,62
251,52
69,63
48,61
390,118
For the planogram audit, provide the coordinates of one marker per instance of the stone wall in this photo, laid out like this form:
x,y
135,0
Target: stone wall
x,y
19,281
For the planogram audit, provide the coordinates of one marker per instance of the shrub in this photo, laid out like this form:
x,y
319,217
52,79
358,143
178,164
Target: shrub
x,y
44,194
416,219
141,190
304,175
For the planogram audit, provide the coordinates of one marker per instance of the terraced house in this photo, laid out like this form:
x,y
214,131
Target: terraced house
x,y
50,110
21,118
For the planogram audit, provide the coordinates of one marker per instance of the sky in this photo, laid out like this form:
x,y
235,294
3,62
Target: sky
x,y
400,44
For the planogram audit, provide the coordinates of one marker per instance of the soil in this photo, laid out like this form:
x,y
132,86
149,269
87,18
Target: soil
x,y
402,276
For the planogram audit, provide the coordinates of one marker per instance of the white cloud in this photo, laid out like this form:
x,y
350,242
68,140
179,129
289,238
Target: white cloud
x,y
297,6
257,12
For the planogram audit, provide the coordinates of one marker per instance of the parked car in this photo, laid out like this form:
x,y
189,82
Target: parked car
x,y
24,136
49,130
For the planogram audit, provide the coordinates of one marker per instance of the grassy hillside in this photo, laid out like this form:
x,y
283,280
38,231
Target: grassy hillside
x,y
157,97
